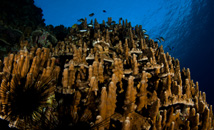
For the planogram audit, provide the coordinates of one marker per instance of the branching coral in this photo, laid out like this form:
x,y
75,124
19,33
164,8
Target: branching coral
x,y
108,77
24,92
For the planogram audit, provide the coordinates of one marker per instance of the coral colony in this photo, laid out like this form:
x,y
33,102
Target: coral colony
x,y
105,76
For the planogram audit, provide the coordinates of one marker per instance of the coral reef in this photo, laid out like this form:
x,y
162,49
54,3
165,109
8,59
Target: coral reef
x,y
105,77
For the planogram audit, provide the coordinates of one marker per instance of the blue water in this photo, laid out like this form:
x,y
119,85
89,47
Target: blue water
x,y
186,25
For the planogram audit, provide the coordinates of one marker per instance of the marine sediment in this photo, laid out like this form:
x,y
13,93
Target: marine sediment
x,y
109,76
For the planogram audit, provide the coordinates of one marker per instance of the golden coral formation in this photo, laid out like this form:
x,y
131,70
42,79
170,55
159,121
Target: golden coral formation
x,y
110,77
28,80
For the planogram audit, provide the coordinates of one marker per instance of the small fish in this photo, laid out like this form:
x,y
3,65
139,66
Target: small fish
x,y
146,35
104,11
81,20
110,30
84,30
74,26
107,25
158,40
121,18
162,39
113,22
92,14
144,30
90,25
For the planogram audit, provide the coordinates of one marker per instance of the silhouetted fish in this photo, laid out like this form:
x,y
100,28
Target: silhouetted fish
x,y
158,40
144,30
162,39
113,22
107,25
92,14
146,35
104,11
121,18
81,20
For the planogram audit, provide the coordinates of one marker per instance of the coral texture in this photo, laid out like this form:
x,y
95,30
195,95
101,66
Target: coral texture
x,y
108,76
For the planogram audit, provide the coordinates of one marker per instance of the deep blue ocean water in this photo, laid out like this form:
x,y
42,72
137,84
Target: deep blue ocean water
x,y
186,25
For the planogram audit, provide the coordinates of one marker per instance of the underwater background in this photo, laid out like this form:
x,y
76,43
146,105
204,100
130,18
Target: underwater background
x,y
186,26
